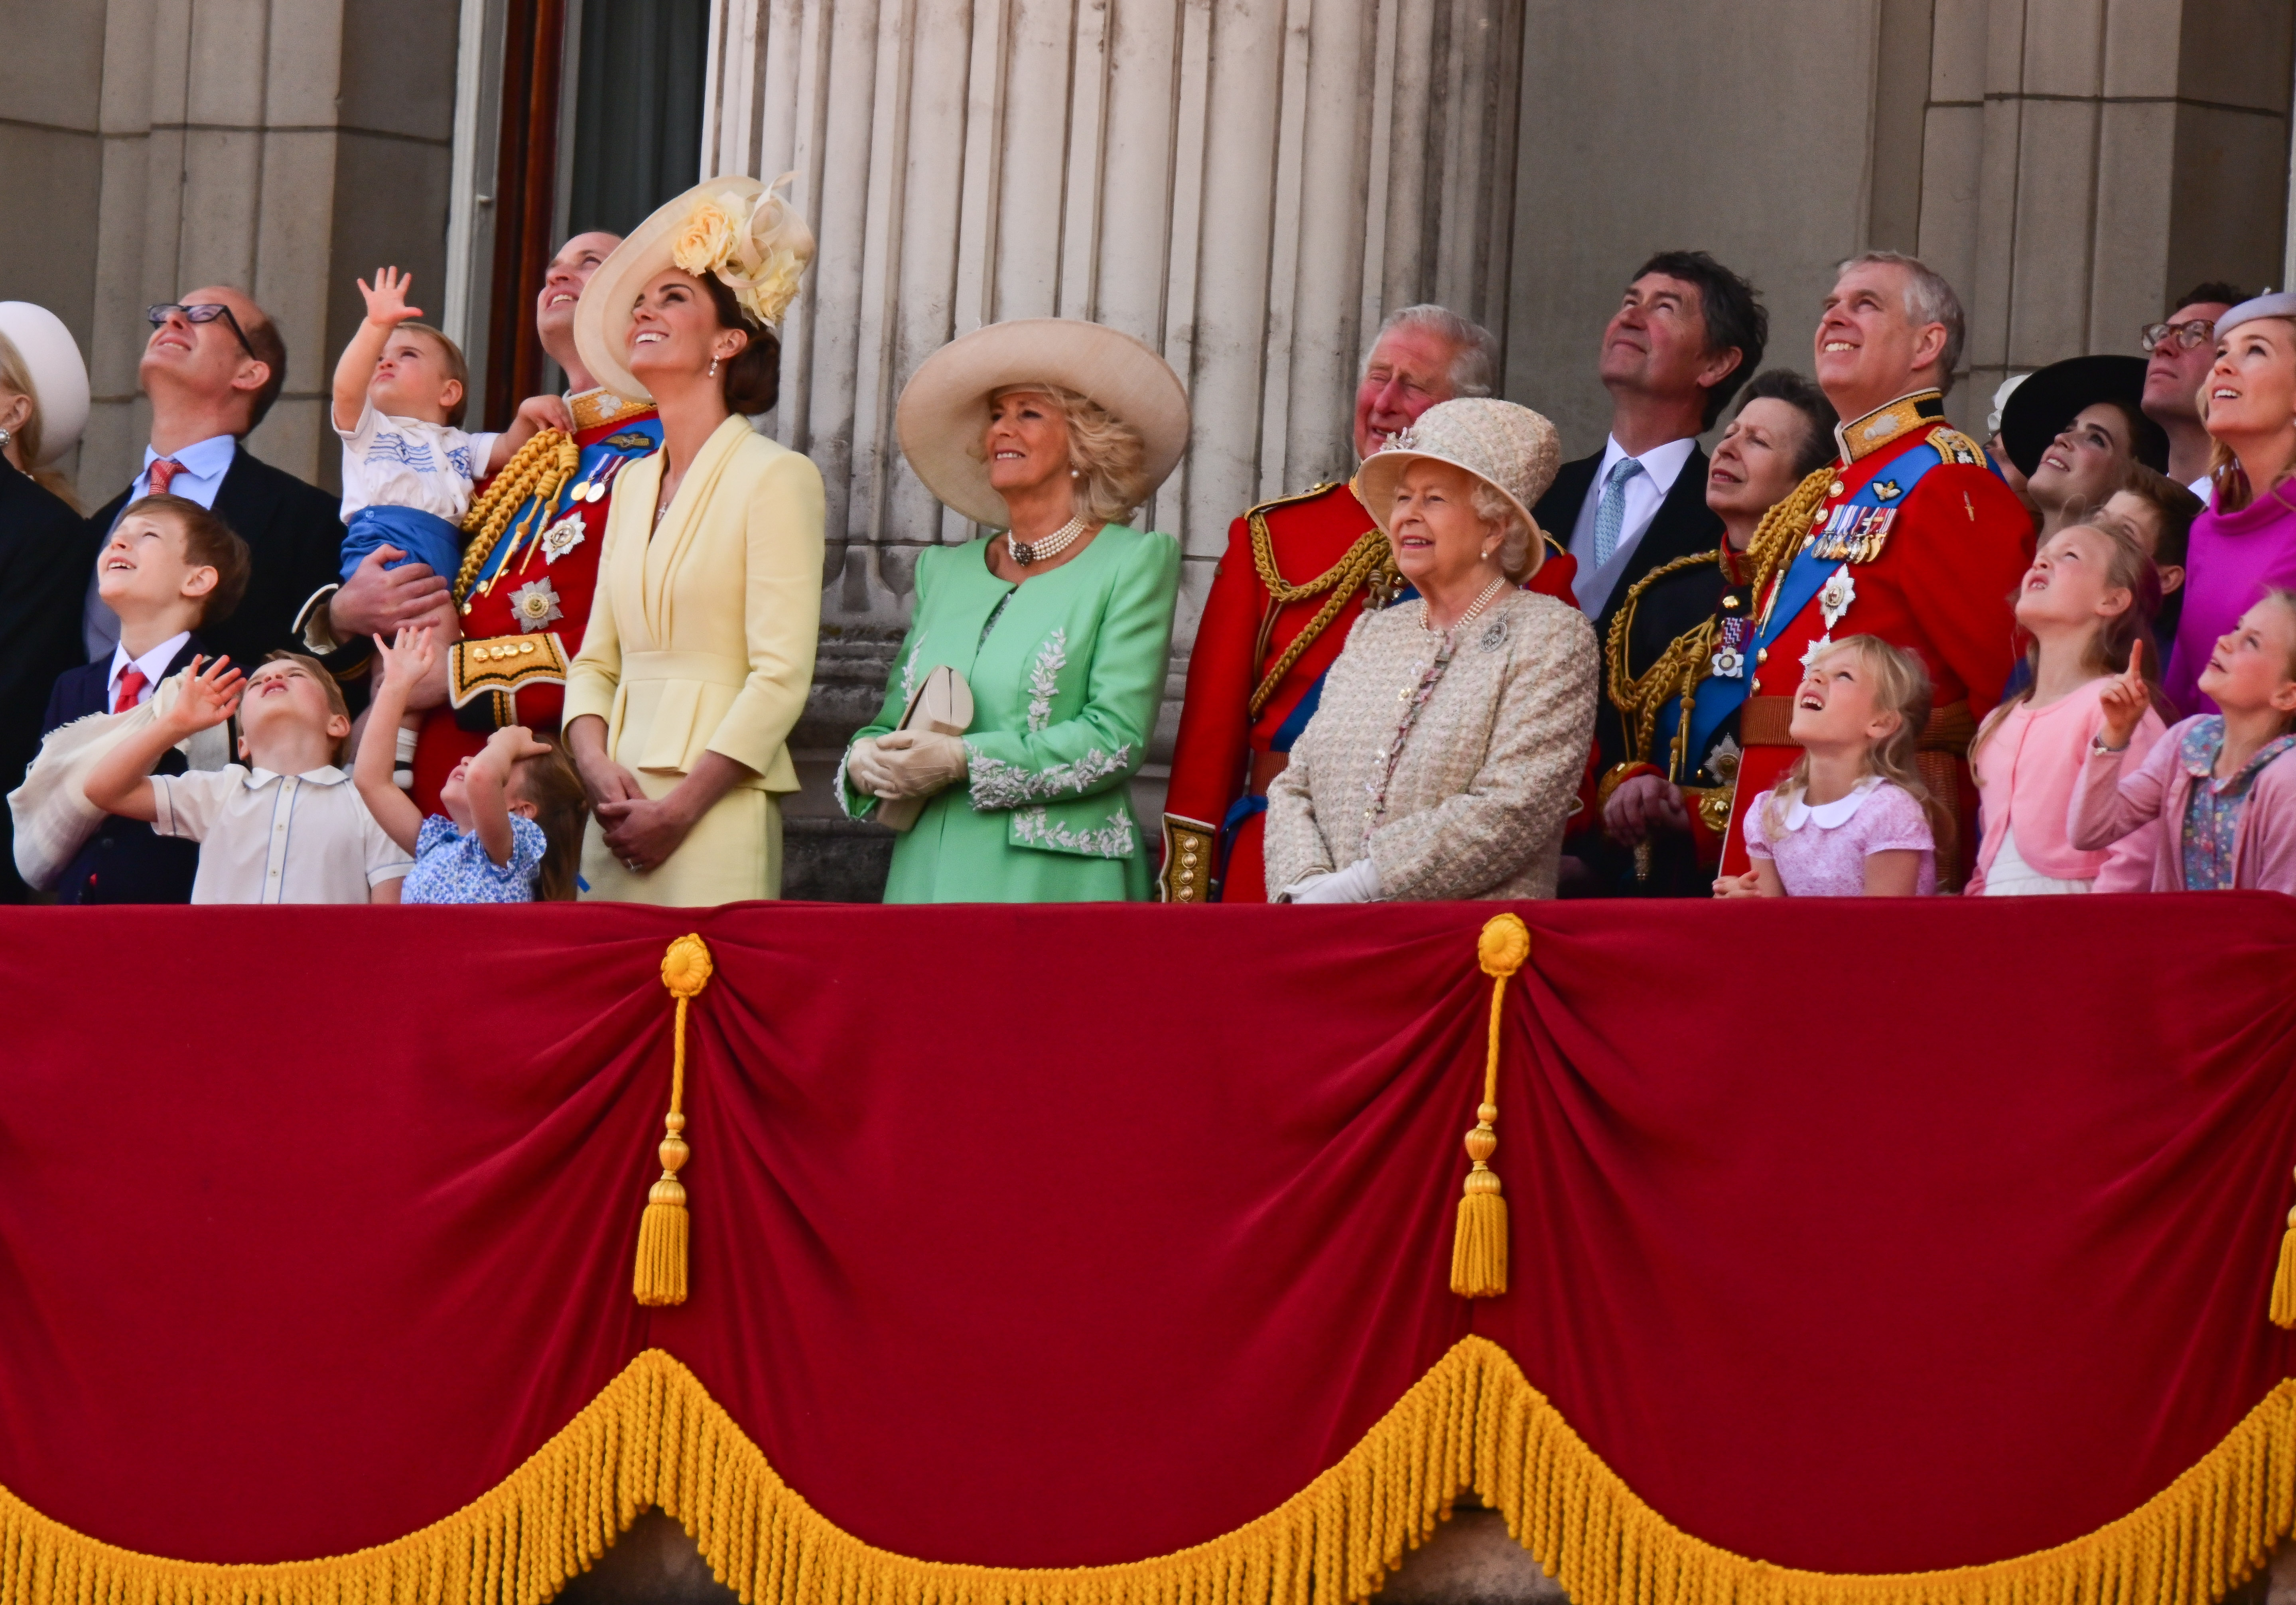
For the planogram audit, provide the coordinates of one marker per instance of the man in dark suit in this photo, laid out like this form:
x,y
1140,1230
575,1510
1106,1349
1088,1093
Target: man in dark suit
x,y
212,368
1687,334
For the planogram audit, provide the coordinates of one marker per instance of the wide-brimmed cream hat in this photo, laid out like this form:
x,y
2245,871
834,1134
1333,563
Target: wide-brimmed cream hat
x,y
59,374
1510,448
944,411
744,234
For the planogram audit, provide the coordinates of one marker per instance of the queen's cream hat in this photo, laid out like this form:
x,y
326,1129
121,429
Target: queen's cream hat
x,y
944,411
1510,448
59,376
744,234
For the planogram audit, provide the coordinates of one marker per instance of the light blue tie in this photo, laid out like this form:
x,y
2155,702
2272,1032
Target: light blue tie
x,y
1612,514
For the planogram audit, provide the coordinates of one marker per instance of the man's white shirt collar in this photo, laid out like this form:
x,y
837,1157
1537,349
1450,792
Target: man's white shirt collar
x,y
1662,464
202,460
154,663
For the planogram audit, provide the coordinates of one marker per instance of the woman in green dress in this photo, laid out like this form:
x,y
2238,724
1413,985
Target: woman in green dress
x,y
1049,430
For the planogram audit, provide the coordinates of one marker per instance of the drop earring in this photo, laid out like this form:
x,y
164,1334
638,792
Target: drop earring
x,y
713,367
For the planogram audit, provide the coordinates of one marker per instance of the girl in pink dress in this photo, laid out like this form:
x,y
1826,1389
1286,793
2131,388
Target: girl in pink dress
x,y
2084,602
1851,818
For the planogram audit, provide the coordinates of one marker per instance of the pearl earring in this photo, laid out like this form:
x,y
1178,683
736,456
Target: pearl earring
x,y
1076,473
713,367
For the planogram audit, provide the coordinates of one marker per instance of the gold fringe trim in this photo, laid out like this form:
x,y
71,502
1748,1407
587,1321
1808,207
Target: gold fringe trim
x,y
654,1437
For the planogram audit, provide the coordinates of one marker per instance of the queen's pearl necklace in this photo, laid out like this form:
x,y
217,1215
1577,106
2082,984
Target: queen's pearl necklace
x,y
1474,608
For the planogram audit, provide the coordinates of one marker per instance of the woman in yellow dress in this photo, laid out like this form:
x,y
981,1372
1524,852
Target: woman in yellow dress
x,y
700,644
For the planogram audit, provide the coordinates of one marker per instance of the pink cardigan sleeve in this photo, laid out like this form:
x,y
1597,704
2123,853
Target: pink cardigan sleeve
x,y
2109,805
2129,862
2266,855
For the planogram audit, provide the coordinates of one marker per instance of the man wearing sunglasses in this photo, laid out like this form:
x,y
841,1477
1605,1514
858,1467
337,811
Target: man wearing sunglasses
x,y
212,368
2178,352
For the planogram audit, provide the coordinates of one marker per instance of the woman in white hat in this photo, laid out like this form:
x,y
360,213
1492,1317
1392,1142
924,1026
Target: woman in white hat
x,y
1446,753
699,652
1049,431
44,554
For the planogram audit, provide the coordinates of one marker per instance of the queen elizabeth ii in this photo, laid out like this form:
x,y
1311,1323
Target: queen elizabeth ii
x,y
1445,757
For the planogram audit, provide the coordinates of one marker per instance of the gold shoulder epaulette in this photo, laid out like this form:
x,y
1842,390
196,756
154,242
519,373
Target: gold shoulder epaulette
x,y
1309,495
1954,446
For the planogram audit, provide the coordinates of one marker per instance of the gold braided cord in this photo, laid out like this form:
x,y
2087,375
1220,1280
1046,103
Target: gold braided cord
x,y
541,466
1369,556
1688,659
654,1437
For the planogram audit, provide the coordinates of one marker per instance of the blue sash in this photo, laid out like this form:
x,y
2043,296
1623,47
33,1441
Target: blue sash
x,y
596,460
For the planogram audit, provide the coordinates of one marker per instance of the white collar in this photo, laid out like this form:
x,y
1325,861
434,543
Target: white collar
x,y
1662,464
201,459
1833,816
326,774
154,663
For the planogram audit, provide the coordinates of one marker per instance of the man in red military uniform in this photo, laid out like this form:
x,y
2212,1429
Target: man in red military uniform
x,y
1298,573
527,600
1914,539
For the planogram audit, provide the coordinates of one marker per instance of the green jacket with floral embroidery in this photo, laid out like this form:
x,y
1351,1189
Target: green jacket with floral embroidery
x,y
1067,672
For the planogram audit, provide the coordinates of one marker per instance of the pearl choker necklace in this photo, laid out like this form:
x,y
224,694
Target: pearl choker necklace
x,y
1025,553
1474,608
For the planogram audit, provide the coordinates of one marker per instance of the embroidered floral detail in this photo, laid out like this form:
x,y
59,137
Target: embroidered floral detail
x,y
1044,679
909,674
1032,827
838,789
997,785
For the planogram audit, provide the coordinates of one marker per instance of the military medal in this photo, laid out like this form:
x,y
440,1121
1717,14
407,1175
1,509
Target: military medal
x,y
1729,660
534,605
1820,645
561,538
1834,597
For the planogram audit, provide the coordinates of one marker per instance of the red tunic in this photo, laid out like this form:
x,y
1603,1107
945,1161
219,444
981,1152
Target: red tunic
x,y
446,740
1225,753
1943,588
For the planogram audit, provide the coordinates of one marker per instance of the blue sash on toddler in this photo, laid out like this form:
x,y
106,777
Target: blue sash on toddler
x,y
424,537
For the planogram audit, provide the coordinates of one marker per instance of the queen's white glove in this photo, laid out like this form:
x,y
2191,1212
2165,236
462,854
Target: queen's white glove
x,y
918,763
1356,883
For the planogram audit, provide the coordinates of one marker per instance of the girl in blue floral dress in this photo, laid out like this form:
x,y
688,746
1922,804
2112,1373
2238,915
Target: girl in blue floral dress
x,y
512,831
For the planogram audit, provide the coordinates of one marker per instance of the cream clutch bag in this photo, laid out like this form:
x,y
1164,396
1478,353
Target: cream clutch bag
x,y
943,704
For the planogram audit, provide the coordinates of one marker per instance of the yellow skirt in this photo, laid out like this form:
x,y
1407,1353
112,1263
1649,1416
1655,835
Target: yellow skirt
x,y
732,854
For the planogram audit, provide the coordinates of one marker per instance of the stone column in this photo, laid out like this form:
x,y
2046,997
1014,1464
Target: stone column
x,y
1249,185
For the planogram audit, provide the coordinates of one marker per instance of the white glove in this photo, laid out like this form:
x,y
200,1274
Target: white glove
x,y
918,763
1356,883
866,768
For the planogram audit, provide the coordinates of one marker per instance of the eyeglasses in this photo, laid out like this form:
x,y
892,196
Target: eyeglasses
x,y
2189,336
207,312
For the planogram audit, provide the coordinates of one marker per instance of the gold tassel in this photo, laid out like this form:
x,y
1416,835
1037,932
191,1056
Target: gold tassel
x,y
2283,1281
1479,1249
659,1277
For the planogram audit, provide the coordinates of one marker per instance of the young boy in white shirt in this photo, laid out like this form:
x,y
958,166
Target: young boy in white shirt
x,y
291,828
400,392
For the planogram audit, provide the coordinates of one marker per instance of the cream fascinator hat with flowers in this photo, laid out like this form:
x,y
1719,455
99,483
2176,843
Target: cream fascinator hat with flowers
x,y
1510,448
743,234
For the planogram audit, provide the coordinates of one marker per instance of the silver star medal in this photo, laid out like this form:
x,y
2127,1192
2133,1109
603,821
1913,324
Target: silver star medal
x,y
561,538
1821,644
1834,597
534,605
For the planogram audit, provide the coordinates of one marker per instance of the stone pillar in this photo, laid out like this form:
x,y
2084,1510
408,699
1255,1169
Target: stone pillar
x,y
286,147
2083,163
1249,185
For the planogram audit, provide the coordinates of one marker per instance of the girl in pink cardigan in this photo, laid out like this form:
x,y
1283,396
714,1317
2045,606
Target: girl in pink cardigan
x,y
2085,602
2222,785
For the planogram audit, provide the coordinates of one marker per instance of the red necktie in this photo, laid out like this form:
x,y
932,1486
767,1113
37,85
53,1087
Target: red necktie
x,y
132,681
163,473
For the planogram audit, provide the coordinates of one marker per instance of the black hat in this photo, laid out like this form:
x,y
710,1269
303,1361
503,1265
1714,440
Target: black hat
x,y
2038,410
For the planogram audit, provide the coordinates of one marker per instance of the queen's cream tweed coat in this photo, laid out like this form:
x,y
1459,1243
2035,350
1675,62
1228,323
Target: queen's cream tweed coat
x,y
1488,776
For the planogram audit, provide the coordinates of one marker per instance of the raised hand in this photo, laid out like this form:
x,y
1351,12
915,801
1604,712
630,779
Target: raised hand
x,y
2126,696
386,299
508,747
411,656
207,697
